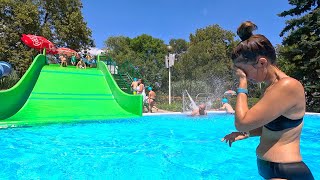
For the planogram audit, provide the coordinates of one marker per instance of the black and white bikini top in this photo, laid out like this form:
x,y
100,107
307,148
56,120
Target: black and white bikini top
x,y
282,123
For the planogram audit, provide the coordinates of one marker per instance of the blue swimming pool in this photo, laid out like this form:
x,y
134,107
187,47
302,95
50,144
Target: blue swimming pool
x,y
151,147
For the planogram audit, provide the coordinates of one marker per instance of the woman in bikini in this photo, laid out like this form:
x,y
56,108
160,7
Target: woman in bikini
x,y
278,117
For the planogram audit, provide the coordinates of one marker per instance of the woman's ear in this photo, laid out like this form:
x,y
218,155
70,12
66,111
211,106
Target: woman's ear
x,y
262,62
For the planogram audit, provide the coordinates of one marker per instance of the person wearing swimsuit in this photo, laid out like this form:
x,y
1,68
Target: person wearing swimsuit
x,y
278,116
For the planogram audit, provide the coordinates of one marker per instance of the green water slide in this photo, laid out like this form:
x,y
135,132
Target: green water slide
x,y
54,94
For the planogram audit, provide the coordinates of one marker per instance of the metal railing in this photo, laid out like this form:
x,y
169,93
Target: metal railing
x,y
116,72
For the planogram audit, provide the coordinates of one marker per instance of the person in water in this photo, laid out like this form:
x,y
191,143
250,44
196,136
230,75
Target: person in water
x,y
201,110
226,106
277,117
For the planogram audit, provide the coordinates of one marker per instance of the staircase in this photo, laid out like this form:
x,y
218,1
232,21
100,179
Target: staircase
x,y
122,77
124,82
123,73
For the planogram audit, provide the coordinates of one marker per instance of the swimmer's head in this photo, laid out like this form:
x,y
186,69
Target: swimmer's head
x,y
149,88
202,106
224,100
135,79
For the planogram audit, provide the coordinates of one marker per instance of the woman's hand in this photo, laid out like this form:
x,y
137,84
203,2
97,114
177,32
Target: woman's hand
x,y
243,82
234,136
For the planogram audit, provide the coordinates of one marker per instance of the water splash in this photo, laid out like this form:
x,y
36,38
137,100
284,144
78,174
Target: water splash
x,y
193,104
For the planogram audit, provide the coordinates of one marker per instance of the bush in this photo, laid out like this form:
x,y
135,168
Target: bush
x,y
251,101
174,106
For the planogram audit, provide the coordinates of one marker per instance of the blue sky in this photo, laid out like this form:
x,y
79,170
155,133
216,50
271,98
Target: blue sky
x,y
167,19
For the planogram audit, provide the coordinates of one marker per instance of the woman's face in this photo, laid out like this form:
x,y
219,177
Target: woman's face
x,y
255,72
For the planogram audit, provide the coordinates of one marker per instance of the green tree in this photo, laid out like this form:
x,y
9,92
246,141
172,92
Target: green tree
x,y
208,57
59,21
179,46
16,18
144,51
150,53
119,48
63,21
302,47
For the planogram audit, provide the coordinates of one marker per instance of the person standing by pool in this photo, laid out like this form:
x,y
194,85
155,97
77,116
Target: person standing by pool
x,y
134,86
278,117
151,99
141,90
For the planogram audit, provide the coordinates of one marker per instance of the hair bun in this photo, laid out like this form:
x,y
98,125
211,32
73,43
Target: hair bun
x,y
245,30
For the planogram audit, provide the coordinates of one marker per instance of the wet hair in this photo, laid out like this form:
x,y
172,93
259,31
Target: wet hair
x,y
252,45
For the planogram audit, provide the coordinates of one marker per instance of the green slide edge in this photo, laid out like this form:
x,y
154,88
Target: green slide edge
x,y
130,103
13,99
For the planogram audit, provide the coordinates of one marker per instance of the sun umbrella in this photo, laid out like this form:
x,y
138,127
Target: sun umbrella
x,y
5,69
230,93
38,43
67,51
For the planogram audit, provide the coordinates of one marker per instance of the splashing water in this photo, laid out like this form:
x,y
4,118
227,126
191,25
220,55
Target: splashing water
x,y
193,105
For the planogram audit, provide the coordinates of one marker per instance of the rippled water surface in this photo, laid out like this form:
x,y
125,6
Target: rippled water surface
x,y
151,147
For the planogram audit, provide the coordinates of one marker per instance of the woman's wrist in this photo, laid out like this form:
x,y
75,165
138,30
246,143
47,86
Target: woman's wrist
x,y
247,134
243,83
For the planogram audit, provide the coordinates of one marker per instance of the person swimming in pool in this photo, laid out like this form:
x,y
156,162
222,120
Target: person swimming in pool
x,y
226,106
277,117
200,111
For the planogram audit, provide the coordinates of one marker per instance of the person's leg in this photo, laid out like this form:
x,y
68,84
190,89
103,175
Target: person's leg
x,y
152,102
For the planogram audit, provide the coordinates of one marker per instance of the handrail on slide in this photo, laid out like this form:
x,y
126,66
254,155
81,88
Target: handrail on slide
x,y
130,103
13,99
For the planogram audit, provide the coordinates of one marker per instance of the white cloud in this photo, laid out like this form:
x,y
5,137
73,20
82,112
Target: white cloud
x,y
94,51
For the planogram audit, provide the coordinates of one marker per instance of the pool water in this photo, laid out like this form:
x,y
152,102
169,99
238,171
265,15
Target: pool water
x,y
151,147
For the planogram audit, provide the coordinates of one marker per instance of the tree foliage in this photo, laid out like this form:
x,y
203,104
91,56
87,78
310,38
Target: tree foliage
x,y
208,56
301,47
62,21
144,51
59,21
205,59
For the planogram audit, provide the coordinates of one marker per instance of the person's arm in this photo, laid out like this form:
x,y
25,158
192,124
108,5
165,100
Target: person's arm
x,y
223,107
194,112
275,102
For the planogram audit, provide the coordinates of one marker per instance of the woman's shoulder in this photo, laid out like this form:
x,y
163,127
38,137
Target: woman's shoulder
x,y
289,83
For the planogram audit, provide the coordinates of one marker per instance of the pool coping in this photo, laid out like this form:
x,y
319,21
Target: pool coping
x,y
210,112
172,113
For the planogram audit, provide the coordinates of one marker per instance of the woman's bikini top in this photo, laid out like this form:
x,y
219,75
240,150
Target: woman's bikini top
x,y
282,123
